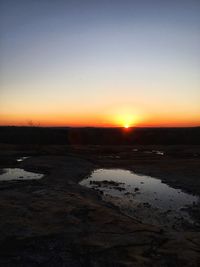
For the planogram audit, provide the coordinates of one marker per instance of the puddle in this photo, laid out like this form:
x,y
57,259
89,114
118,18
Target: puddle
x,y
157,152
143,197
112,157
18,174
22,159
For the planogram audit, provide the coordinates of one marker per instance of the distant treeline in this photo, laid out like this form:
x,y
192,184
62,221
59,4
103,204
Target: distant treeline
x,y
100,136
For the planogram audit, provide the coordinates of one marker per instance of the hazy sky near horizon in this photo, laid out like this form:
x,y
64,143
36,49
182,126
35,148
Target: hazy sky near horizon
x,y
99,63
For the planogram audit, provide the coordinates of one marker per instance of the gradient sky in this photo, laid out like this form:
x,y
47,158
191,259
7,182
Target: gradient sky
x,y
100,63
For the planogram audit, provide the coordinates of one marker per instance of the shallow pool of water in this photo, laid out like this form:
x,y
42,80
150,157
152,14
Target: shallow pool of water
x,y
157,152
18,174
144,197
22,159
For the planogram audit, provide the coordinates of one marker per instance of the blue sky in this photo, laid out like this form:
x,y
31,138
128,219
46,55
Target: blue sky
x,y
81,60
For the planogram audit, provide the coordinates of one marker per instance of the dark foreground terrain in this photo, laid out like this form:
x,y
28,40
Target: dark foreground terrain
x,y
56,222
99,136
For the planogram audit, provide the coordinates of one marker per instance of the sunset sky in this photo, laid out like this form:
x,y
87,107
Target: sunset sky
x,y
100,62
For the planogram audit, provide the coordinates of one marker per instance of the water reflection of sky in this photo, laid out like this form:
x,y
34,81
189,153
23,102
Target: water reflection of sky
x,y
10,174
151,190
22,159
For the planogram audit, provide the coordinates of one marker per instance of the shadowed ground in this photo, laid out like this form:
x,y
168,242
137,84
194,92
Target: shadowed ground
x,y
56,222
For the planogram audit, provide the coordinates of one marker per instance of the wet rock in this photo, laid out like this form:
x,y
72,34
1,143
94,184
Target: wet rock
x,y
146,205
127,193
69,226
119,188
99,191
2,171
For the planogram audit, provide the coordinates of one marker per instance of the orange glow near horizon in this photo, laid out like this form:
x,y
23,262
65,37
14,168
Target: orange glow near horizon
x,y
99,64
122,119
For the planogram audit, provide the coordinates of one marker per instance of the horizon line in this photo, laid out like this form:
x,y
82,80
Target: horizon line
x,y
108,127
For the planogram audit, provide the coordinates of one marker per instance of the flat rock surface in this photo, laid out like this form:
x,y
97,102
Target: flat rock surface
x,y
56,222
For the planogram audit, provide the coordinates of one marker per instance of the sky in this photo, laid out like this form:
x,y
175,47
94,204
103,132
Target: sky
x,y
100,63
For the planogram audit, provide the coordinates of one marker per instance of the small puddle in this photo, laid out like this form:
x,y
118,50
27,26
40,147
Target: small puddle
x,y
157,152
18,174
143,197
22,159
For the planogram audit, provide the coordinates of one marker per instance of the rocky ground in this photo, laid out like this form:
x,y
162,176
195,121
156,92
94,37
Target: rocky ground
x,y
56,222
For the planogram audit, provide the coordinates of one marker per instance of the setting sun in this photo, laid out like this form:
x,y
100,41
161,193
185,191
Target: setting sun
x,y
127,118
89,65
